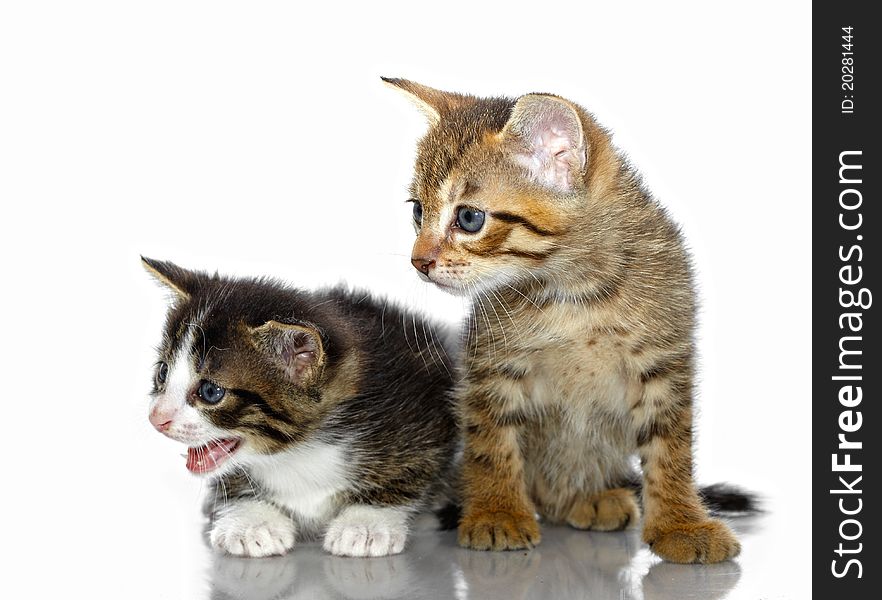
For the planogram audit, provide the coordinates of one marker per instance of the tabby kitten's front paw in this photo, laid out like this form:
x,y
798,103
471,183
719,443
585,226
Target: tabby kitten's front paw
x,y
498,531
254,529
709,541
367,531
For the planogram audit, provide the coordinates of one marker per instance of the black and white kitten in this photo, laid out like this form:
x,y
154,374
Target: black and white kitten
x,y
314,413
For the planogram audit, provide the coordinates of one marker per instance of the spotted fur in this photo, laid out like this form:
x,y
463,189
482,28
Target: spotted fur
x,y
580,344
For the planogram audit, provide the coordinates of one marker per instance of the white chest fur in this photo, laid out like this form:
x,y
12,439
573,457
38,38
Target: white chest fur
x,y
305,480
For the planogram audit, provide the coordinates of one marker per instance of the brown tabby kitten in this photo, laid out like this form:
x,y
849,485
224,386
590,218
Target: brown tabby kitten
x,y
580,353
311,412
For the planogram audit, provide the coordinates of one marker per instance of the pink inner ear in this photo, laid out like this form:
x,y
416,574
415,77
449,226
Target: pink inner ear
x,y
295,349
299,352
304,359
551,145
550,159
555,141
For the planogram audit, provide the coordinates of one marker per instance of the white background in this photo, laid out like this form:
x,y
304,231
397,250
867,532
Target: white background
x,y
256,138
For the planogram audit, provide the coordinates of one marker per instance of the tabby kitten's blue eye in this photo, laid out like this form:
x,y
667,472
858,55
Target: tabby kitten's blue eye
x,y
417,212
210,392
469,219
161,373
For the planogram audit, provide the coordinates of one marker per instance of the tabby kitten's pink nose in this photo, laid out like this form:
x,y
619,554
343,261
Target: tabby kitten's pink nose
x,y
422,264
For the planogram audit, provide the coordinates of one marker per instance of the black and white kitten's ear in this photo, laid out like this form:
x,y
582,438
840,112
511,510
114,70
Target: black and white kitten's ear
x,y
545,135
296,348
179,280
431,102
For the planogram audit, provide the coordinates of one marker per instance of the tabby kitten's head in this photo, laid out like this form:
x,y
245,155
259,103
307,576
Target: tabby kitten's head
x,y
499,185
238,375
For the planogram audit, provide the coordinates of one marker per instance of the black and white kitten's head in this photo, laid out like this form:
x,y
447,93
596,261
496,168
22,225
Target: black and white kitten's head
x,y
242,370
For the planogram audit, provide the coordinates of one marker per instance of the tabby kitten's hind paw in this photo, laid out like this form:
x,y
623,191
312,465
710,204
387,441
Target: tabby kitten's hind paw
x,y
710,541
498,531
610,510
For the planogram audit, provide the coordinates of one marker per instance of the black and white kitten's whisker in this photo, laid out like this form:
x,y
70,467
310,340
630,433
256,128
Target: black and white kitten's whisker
x,y
237,466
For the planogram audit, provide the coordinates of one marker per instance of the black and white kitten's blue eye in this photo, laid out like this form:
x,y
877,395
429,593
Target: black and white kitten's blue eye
x,y
469,219
210,392
161,373
417,212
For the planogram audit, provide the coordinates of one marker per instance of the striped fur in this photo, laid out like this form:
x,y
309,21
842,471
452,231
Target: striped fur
x,y
579,352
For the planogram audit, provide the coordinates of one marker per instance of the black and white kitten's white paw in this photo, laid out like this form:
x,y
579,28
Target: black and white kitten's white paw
x,y
363,530
252,528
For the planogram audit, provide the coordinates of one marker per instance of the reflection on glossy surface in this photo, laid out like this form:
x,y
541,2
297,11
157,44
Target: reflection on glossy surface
x,y
568,564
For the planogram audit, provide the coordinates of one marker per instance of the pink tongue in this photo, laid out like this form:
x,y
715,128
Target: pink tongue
x,y
210,456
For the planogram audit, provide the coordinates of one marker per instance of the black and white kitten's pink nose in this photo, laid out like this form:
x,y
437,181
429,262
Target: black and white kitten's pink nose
x,y
162,418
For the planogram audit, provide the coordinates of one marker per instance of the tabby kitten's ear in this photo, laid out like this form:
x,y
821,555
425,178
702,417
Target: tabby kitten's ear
x,y
296,348
431,102
545,135
179,280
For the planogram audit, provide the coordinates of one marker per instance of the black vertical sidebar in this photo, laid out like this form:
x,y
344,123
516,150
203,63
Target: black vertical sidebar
x,y
846,366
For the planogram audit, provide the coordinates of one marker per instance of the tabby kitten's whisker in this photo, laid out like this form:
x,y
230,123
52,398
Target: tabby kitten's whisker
x,y
498,320
518,329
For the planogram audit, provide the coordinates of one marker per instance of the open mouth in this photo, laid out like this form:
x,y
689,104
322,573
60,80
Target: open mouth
x,y
207,458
